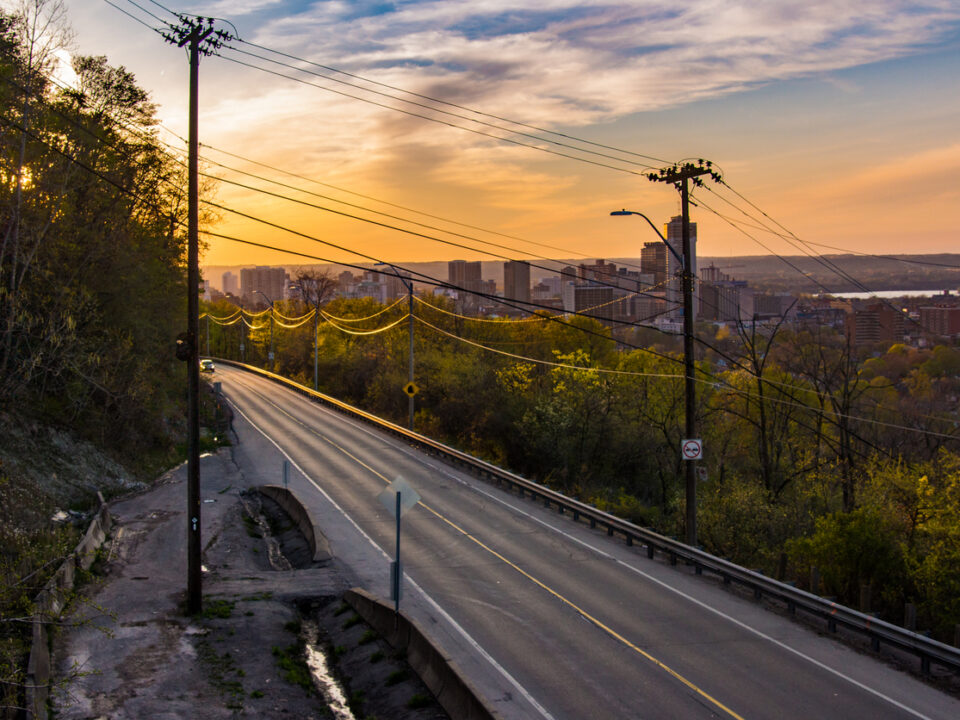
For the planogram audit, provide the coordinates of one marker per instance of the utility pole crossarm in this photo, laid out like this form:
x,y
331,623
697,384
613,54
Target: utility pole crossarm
x,y
679,173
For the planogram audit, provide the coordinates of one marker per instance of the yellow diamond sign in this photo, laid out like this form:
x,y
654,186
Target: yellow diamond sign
x,y
411,389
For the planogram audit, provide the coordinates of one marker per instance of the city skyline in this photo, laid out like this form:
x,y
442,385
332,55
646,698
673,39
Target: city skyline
x,y
842,128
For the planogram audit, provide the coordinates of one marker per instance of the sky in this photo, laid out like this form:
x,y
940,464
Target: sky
x,y
836,121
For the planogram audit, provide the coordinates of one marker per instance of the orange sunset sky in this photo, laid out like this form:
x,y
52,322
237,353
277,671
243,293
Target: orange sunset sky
x,y
839,120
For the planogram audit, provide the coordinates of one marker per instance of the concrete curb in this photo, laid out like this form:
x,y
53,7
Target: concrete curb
x,y
294,507
439,673
50,602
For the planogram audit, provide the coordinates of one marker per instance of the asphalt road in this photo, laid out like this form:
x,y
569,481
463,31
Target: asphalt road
x,y
548,618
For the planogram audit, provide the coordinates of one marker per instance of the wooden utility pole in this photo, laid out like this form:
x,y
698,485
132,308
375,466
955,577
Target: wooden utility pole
x,y
201,38
680,175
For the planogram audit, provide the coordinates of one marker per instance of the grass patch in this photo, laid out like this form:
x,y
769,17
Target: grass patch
x,y
221,667
418,700
396,677
352,621
257,694
341,609
292,626
295,671
218,609
253,530
377,656
368,637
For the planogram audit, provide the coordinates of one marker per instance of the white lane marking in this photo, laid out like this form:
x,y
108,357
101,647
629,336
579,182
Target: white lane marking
x,y
759,633
473,643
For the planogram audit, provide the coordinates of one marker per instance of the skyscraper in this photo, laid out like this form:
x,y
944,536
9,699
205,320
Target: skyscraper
x,y
516,280
271,281
463,274
653,260
675,287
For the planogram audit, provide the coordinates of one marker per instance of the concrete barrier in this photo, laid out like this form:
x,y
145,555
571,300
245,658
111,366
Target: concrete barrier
x,y
439,673
294,507
48,605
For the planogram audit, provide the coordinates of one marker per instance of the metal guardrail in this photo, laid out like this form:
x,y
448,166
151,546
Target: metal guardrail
x,y
879,632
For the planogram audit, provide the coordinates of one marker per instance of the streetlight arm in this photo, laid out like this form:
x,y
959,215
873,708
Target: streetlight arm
x,y
655,229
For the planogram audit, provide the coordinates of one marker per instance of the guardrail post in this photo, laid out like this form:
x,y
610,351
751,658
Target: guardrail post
x,y
956,635
697,569
925,664
609,530
576,515
673,558
650,550
910,616
593,523
629,540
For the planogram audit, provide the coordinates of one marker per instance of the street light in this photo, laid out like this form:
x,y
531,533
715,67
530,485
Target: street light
x,y
689,369
408,283
270,356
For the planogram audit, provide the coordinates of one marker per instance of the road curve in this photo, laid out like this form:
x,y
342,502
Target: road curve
x,y
549,619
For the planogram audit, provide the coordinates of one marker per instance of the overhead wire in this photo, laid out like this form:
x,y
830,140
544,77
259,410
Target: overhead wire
x,y
227,209
424,106
388,308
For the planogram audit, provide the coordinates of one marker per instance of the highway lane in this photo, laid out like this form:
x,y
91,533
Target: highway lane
x,y
578,625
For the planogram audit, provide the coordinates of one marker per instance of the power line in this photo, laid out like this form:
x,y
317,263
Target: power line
x,y
435,120
435,109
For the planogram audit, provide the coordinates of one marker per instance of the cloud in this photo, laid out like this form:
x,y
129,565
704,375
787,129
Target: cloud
x,y
583,62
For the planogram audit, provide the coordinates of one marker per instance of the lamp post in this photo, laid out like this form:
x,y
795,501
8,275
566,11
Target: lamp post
x,y
411,388
270,356
689,369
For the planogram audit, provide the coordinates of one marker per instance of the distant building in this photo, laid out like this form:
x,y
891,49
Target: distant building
x,y
596,300
345,283
271,281
653,261
599,272
465,275
723,300
230,284
674,233
395,286
516,280
875,323
941,320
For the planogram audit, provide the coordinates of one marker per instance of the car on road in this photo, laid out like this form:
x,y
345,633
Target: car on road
x,y
206,365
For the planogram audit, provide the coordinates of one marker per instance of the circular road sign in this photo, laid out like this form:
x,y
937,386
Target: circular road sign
x,y
411,389
692,449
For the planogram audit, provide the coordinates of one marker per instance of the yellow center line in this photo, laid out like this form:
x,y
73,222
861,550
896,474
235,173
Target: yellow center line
x,y
569,603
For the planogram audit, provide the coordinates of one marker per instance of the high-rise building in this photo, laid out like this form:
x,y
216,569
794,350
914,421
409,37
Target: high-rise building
x,y
599,272
516,280
463,274
940,319
653,261
875,323
271,281
230,284
395,285
675,282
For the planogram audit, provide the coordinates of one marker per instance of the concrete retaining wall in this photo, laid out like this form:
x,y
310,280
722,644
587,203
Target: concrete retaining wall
x,y
439,673
50,602
292,505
